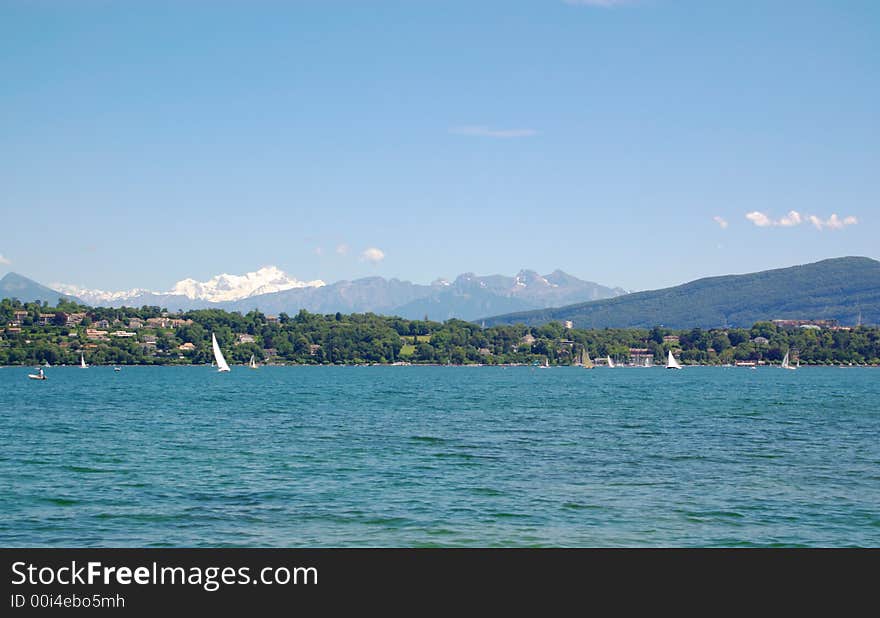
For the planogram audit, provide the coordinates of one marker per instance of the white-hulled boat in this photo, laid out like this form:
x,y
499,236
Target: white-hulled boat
x,y
222,366
671,363
253,363
37,376
786,363
82,361
609,361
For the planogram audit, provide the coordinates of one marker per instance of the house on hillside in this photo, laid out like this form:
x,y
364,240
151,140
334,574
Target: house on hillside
x,y
75,319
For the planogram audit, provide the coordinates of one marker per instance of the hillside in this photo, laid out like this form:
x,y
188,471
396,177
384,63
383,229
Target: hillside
x,y
836,289
17,286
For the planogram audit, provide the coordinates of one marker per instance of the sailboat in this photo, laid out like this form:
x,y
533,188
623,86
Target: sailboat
x,y
671,363
648,363
82,361
546,364
218,355
253,363
610,362
786,363
586,361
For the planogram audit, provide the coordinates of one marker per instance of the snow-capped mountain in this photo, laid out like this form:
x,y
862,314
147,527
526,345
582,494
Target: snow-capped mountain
x,y
220,288
225,287
99,297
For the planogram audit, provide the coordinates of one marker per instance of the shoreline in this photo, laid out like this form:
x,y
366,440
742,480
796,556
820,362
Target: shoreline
x,y
469,365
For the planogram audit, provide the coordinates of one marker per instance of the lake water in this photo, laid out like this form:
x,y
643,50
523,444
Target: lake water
x,y
440,456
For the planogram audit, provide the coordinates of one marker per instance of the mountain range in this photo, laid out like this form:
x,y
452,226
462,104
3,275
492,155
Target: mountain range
x,y
272,291
843,289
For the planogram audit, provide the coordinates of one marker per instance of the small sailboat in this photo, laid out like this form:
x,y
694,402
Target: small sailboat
x,y
610,362
218,355
586,361
546,364
671,363
648,363
82,361
253,363
37,376
786,363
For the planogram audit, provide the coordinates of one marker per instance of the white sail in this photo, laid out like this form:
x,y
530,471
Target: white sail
x,y
82,361
610,362
786,362
218,355
253,362
671,363
587,361
647,362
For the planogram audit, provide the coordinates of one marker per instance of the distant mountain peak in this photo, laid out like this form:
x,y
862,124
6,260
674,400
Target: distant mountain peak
x,y
220,288
527,277
13,285
225,287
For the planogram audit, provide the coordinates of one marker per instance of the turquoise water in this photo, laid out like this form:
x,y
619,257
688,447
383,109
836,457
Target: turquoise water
x,y
440,456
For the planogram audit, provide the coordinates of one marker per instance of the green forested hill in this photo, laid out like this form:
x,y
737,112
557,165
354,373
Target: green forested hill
x,y
839,289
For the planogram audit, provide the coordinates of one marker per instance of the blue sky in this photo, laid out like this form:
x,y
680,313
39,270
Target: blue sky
x,y
145,142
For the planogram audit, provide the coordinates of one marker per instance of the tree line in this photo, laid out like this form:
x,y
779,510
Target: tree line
x,y
308,338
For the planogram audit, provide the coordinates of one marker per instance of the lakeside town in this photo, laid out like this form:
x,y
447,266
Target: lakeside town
x,y
36,334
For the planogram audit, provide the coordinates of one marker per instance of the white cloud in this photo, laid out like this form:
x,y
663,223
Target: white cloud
x,y
794,218
373,255
5,260
721,221
481,131
319,251
342,249
791,219
759,219
833,222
